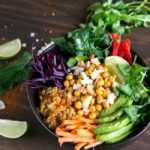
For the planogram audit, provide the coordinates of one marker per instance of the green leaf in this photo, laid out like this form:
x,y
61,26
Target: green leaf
x,y
63,45
14,73
74,60
132,112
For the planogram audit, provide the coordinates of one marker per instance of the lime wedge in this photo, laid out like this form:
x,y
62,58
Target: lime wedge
x,y
111,62
12,129
10,49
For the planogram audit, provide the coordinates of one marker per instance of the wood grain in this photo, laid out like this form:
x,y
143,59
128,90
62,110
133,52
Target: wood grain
x,y
18,18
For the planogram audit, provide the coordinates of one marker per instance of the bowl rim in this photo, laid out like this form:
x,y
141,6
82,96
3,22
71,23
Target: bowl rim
x,y
130,139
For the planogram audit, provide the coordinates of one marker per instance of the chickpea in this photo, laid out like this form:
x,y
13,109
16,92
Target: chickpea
x,y
91,56
70,89
84,91
92,108
111,79
92,101
99,92
79,81
105,75
99,67
76,93
66,83
105,94
71,82
80,113
98,107
107,84
80,76
97,114
105,69
82,98
78,105
69,77
82,64
89,70
93,66
99,99
114,76
92,115
87,73
100,83
106,104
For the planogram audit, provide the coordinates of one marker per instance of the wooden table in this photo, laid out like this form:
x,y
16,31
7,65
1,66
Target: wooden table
x,y
45,19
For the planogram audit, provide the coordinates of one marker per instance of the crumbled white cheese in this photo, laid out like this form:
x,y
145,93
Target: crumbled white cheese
x,y
95,61
95,74
90,89
76,86
115,84
86,81
111,98
88,64
77,70
84,76
86,103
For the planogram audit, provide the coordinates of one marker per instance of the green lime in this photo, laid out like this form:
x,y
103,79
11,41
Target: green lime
x,y
12,129
111,62
10,49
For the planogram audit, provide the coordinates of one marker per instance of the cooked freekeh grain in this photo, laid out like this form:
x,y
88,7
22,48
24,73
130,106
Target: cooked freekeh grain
x,y
55,106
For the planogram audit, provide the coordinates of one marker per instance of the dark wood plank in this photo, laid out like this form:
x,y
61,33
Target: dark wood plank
x,y
18,18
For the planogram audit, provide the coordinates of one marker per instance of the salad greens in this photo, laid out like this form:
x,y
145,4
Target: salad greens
x,y
135,89
14,73
103,19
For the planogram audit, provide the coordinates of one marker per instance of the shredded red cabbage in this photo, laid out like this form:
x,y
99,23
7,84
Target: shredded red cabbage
x,y
50,69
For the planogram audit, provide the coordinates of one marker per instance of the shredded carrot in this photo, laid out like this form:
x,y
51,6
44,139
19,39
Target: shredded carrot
x,y
66,134
69,122
85,133
74,131
79,145
86,120
72,139
78,131
70,127
90,145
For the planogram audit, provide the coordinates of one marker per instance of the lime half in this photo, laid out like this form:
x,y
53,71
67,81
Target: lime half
x,y
111,62
10,49
12,129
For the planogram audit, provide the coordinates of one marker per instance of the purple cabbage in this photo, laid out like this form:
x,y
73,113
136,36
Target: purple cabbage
x,y
49,69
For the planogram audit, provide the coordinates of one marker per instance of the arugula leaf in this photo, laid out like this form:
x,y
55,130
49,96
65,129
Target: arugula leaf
x,y
132,112
14,73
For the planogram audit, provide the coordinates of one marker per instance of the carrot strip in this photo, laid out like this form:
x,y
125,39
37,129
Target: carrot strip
x,y
70,122
70,127
66,134
86,120
79,145
72,139
90,145
85,133
74,131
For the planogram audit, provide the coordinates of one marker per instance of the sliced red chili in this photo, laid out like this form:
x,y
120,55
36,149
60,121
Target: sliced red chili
x,y
126,47
121,51
115,48
115,36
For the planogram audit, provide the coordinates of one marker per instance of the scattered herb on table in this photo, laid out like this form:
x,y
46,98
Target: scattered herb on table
x,y
14,73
